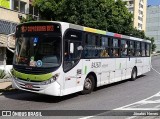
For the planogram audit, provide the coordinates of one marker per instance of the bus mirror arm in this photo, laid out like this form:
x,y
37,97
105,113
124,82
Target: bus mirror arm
x,y
129,56
8,42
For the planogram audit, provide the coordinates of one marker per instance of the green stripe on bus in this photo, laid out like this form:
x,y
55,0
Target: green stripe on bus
x,y
32,77
101,32
85,71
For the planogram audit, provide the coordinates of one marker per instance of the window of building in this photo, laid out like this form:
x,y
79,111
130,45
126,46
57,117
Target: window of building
x,y
140,25
22,6
19,6
140,18
33,10
16,5
131,2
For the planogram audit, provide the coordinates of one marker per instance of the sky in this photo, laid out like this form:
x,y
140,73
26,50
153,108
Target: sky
x,y
153,2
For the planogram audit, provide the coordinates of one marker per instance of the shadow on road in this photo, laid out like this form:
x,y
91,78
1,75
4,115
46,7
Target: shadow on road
x,y
34,97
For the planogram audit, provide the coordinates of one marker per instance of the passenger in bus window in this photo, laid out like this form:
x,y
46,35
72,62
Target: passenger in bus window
x,y
104,53
115,53
124,50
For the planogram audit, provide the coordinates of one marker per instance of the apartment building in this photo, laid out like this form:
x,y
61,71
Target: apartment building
x,y
11,11
153,24
138,9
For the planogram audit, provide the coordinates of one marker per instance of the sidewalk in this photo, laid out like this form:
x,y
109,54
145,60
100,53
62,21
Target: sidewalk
x,y
5,85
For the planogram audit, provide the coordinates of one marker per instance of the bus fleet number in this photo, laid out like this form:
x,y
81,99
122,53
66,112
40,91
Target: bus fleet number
x,y
96,65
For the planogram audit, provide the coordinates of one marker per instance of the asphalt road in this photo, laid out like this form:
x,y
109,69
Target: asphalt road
x,y
104,98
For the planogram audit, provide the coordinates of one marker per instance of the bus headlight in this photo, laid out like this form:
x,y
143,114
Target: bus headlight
x,y
51,80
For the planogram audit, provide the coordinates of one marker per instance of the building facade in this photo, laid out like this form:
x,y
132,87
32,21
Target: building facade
x,y
11,11
138,9
153,24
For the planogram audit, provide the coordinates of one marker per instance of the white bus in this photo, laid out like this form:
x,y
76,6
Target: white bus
x,y
58,58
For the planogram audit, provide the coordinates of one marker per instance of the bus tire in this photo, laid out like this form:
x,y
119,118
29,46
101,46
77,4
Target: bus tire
x,y
89,84
134,74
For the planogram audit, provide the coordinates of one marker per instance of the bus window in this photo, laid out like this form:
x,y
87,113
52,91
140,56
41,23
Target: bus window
x,y
147,50
124,47
115,43
143,49
115,49
132,48
72,49
90,50
138,49
104,45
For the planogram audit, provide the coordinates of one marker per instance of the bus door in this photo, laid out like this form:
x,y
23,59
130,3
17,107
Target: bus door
x,y
107,69
72,65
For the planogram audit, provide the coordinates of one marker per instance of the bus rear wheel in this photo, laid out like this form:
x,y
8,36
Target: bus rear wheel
x,y
89,84
134,74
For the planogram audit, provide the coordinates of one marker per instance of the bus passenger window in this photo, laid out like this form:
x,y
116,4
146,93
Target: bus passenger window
x,y
138,49
104,45
143,49
124,47
132,48
115,53
104,53
147,50
115,50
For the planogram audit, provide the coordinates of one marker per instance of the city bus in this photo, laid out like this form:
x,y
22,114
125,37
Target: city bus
x,y
59,58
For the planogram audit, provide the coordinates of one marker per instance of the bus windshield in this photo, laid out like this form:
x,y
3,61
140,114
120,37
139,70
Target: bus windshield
x,y
38,52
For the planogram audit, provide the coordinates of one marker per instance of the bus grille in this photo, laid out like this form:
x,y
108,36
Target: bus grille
x,y
34,86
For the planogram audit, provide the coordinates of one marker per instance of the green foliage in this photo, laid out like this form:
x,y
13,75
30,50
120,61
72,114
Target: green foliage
x,y
5,3
153,46
2,74
27,19
120,19
100,14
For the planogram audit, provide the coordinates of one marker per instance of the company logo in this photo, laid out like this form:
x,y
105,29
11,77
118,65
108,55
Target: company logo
x,y
6,113
28,79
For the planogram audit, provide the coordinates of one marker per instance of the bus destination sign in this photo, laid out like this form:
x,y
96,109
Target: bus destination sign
x,y
37,28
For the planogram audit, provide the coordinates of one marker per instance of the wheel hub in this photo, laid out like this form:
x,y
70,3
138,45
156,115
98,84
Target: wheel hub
x,y
88,84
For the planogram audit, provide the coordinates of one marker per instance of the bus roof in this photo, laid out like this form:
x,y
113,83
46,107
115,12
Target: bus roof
x,y
92,30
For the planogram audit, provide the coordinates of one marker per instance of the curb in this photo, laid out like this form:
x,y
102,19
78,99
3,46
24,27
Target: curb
x,y
5,80
156,54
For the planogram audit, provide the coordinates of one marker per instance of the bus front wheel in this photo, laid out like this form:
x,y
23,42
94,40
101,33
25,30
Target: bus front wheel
x,y
89,84
134,74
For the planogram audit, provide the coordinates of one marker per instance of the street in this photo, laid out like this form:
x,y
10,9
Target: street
x,y
104,98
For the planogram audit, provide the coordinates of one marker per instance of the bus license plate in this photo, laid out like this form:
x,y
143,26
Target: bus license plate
x,y
29,86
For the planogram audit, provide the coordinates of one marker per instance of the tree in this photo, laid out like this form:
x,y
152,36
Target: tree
x,y
120,19
153,46
27,19
101,14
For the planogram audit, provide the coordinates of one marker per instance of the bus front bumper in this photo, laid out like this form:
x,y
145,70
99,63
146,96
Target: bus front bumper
x,y
48,89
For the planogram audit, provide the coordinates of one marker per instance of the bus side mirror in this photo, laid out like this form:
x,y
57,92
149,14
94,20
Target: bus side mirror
x,y
11,42
71,48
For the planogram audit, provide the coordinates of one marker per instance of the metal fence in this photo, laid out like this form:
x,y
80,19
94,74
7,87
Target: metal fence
x,y
7,27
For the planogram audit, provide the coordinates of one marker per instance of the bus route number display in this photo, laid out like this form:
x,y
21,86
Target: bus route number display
x,y
47,28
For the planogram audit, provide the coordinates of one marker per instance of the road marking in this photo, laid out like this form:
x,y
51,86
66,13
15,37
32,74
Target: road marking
x,y
139,103
87,117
